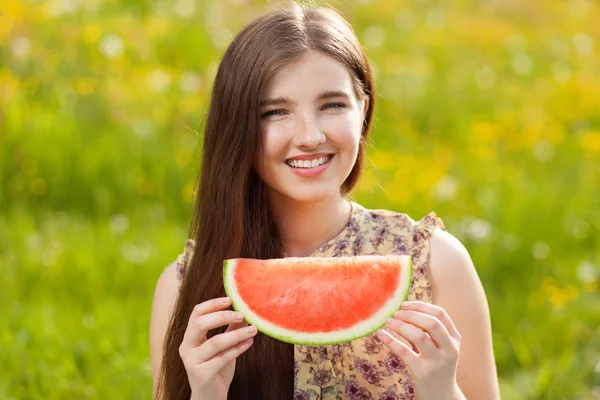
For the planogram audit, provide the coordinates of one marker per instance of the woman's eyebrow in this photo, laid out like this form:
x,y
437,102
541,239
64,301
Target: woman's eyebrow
x,y
323,95
275,101
333,93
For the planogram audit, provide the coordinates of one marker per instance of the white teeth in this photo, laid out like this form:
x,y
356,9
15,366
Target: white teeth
x,y
308,163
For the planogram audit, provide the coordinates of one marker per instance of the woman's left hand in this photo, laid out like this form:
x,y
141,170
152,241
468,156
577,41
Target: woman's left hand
x,y
431,331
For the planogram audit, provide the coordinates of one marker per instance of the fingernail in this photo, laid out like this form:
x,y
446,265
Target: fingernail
x,y
250,329
398,314
384,337
225,301
390,320
238,316
406,305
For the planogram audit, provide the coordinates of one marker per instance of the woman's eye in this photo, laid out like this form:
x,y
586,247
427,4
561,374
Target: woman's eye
x,y
272,112
335,105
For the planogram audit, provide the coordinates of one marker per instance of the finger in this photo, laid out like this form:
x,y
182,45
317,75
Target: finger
x,y
205,323
200,323
414,335
406,354
436,311
220,343
233,327
219,361
431,325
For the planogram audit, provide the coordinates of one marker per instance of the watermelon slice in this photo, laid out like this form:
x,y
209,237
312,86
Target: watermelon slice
x,y
317,301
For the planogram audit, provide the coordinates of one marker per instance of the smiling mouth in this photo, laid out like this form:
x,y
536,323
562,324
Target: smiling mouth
x,y
315,162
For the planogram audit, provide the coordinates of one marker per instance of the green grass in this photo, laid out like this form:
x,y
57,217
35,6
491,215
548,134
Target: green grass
x,y
486,114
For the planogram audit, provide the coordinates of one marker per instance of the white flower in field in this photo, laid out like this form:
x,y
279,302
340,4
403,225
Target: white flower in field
x,y
49,256
405,21
111,46
136,254
540,250
63,7
88,321
486,196
562,72
515,43
436,19
119,224
221,38
577,227
543,150
142,128
190,82
159,80
510,243
522,63
485,77
374,36
479,229
583,43
587,272
185,8
580,8
20,47
446,188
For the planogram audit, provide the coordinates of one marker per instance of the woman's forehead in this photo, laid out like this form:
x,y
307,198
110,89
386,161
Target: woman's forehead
x,y
310,74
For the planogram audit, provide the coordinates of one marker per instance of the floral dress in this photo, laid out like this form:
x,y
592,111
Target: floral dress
x,y
364,368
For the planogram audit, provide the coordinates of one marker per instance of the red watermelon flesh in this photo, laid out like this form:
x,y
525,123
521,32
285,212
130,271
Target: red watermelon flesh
x,y
318,300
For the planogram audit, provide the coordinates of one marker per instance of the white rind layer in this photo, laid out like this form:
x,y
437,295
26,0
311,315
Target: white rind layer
x,y
359,330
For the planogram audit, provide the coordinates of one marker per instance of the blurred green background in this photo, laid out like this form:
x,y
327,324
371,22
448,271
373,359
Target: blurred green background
x,y
488,112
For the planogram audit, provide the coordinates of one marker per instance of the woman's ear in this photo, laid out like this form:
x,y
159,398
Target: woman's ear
x,y
365,101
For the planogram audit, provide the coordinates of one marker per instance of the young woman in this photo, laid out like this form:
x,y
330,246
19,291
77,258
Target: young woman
x,y
284,142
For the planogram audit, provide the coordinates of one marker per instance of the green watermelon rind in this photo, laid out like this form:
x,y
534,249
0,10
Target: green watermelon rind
x,y
345,335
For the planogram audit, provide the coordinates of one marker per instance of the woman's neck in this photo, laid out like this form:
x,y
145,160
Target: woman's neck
x,y
304,227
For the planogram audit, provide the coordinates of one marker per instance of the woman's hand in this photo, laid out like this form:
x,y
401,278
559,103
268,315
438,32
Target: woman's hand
x,y
431,331
210,364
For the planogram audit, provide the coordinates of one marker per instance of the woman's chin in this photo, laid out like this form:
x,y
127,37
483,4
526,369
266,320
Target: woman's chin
x,y
309,194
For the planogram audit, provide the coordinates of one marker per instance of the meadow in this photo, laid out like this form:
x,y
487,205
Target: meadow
x,y
488,112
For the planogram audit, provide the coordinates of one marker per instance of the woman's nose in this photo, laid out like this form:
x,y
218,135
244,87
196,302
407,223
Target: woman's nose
x,y
307,132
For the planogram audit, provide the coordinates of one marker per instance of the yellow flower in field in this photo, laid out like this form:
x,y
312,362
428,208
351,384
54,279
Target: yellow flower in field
x,y
485,132
84,86
590,141
9,83
91,33
156,27
591,286
13,10
559,297
384,159
481,30
367,182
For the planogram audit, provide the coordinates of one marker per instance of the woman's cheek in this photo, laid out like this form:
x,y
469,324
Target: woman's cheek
x,y
343,130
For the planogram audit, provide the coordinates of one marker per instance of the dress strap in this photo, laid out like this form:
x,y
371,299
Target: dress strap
x,y
183,260
419,252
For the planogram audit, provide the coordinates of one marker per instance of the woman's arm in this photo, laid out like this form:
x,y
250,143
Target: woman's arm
x,y
165,295
457,289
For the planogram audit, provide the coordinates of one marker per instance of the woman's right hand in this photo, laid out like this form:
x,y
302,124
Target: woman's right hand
x,y
210,364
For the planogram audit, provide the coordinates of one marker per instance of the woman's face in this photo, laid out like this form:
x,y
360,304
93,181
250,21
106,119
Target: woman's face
x,y
311,125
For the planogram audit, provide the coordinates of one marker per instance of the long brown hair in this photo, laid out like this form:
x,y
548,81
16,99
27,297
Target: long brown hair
x,y
231,217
